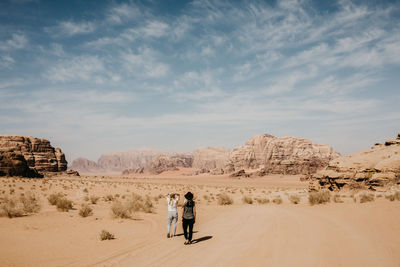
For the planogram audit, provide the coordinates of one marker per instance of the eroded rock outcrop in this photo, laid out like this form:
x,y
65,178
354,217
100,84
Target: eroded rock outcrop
x,y
212,159
163,163
39,156
83,165
285,155
377,166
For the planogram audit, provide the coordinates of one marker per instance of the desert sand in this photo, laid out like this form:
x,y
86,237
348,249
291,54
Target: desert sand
x,y
270,234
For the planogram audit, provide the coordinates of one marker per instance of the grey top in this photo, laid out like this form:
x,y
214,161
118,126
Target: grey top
x,y
188,210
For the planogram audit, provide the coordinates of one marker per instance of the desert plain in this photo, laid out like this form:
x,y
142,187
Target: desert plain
x,y
265,221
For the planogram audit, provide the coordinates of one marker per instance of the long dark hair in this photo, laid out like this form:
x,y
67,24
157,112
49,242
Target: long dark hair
x,y
189,197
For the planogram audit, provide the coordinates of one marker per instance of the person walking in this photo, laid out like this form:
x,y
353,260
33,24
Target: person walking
x,y
172,218
188,217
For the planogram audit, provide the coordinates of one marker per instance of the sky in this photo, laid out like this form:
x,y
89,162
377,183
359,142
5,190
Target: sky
x,y
101,76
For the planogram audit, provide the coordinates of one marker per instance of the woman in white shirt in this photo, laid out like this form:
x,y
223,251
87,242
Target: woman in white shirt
x,y
172,200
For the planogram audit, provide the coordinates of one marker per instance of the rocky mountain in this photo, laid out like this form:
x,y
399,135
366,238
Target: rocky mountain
x,y
37,154
163,163
83,165
286,155
377,166
210,158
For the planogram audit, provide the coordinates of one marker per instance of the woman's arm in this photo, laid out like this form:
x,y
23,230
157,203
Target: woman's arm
x,y
194,212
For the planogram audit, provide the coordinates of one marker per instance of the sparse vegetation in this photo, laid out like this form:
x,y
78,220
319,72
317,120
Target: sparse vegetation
x,y
105,235
393,197
320,197
277,200
11,208
367,197
247,199
295,199
337,199
223,199
94,199
64,204
262,200
135,203
30,203
53,198
85,210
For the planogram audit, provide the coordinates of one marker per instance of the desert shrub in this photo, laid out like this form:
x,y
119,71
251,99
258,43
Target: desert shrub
x,y
53,198
277,200
337,199
295,199
148,206
30,203
120,210
224,199
94,199
247,199
320,197
109,197
105,235
262,200
85,210
11,208
394,196
366,198
64,204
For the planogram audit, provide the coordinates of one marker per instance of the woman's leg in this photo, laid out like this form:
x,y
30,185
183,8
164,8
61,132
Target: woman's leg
x,y
169,219
184,226
174,221
190,223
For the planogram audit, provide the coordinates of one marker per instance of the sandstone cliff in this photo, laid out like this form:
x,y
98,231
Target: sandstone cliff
x,y
38,154
163,163
133,159
377,166
211,159
83,165
286,155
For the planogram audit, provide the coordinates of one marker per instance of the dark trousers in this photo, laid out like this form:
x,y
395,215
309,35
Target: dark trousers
x,y
187,223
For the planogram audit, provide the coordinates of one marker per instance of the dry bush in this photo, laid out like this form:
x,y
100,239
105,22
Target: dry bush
x,y
337,199
94,199
277,200
30,203
105,235
262,200
11,208
64,204
247,199
148,206
85,210
367,197
394,196
135,203
224,199
295,199
53,198
320,197
109,198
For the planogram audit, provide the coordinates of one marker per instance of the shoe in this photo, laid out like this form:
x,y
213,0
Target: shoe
x,y
168,235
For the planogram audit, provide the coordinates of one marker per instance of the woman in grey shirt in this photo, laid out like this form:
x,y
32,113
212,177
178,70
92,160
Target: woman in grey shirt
x,y
188,217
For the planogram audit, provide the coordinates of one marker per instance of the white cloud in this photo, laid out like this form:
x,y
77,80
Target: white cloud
x,y
123,12
17,41
6,61
87,68
144,63
71,28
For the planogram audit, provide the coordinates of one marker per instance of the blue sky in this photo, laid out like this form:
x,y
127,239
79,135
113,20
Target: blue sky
x,y
100,76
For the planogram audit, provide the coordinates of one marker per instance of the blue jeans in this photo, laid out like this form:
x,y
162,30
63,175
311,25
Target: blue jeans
x,y
172,218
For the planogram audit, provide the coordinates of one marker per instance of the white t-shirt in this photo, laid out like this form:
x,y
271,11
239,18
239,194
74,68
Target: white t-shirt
x,y
172,204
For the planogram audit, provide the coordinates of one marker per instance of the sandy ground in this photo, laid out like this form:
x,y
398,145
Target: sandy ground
x,y
287,234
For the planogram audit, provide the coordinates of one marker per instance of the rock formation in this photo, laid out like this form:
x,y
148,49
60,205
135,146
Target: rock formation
x,y
39,156
286,155
163,163
211,159
123,160
377,166
83,165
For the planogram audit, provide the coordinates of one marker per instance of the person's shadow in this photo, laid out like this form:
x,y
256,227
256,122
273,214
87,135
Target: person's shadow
x,y
201,239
